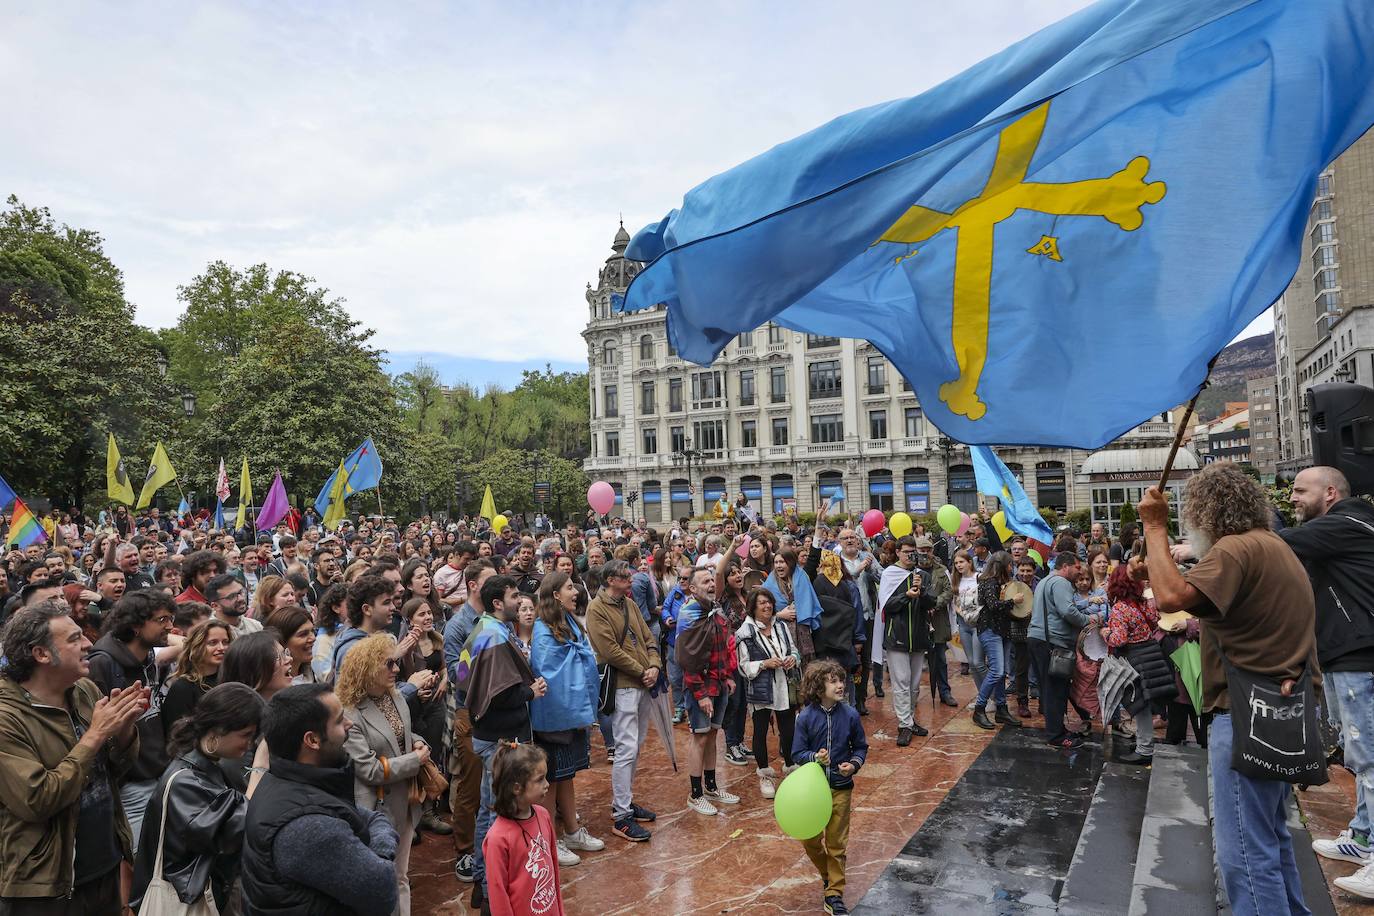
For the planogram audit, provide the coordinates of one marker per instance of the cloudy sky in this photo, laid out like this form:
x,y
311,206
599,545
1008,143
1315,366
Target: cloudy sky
x,y
454,171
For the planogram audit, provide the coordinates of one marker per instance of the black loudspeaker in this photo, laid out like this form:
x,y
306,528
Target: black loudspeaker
x,y
1342,422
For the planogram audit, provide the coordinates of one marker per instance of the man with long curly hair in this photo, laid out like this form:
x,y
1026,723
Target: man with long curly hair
x,y
1256,606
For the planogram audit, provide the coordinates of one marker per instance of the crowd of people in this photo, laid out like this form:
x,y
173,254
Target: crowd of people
x,y
191,715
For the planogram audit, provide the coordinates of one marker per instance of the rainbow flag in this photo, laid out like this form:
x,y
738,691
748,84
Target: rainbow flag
x,y
24,527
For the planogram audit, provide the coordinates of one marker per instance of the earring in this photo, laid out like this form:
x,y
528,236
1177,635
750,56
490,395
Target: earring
x,y
214,747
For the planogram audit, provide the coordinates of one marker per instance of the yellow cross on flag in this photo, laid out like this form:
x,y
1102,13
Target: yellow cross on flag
x,y
117,484
160,473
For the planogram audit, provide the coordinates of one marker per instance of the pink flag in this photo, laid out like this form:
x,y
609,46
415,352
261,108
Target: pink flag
x,y
222,483
274,507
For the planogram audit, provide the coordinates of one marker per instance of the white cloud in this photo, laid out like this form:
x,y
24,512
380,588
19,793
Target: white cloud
x,y
454,171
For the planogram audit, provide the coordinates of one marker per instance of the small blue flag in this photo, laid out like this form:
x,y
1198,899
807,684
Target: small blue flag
x,y
183,507
7,495
219,514
364,467
996,479
1130,183
803,597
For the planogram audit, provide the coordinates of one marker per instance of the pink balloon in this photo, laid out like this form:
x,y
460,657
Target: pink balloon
x,y
964,522
742,551
601,497
873,521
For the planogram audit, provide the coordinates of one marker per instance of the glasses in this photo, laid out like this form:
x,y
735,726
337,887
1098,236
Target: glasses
x,y
285,657
392,664
163,619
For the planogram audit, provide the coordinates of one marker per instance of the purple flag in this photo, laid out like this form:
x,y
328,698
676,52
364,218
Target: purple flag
x,y
274,507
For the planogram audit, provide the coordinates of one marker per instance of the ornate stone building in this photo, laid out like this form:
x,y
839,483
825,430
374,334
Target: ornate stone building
x,y
787,419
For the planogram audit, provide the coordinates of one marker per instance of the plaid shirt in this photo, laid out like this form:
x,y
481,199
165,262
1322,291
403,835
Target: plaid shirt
x,y
722,663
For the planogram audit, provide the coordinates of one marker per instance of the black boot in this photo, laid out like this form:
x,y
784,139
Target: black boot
x,y
1005,717
862,708
980,719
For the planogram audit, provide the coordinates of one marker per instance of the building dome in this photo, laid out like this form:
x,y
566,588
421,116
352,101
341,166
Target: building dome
x,y
1141,461
622,239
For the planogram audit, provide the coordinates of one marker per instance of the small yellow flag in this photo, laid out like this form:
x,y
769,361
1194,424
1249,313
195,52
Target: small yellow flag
x,y
245,496
117,484
488,505
338,496
160,473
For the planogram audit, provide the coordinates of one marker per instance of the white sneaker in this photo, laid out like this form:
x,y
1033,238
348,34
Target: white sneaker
x,y
584,841
767,788
566,857
701,806
722,797
1344,848
787,770
1361,884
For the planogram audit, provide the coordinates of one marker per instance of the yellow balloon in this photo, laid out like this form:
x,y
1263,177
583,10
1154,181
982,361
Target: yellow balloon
x,y
999,522
899,524
498,523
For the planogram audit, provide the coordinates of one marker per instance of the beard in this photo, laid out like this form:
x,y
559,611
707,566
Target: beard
x,y
1199,540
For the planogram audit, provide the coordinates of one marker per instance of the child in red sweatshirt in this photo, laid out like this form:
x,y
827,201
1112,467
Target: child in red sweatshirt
x,y
522,865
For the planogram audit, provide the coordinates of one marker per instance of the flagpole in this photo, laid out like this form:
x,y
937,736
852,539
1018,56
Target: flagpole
x,y
1183,427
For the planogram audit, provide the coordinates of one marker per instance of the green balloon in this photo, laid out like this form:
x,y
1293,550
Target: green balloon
x,y
1035,555
802,804
949,518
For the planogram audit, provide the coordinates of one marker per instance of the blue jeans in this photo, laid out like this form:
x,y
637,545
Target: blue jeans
x,y
1254,848
603,722
1350,707
675,681
486,811
996,651
973,651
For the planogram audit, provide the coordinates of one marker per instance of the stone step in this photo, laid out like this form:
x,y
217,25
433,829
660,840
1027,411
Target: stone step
x,y
1174,871
1103,869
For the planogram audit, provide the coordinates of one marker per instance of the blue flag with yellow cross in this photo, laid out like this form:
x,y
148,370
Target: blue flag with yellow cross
x,y
1052,245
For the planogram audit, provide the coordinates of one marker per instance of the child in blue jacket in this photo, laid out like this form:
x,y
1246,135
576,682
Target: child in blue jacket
x,y
829,732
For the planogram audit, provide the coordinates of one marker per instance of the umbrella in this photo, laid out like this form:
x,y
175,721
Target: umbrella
x,y
1115,675
661,715
1187,658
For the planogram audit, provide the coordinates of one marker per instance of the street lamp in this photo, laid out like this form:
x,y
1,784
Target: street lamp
x,y
161,360
1343,374
687,455
188,403
946,445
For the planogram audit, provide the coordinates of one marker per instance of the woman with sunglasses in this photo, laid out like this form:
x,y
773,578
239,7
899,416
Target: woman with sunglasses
x,y
385,753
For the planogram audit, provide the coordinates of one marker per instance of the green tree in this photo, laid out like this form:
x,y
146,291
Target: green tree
x,y
1128,515
73,364
1079,519
1051,517
510,474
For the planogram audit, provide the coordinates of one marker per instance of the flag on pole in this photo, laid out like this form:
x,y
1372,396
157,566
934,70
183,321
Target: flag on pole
x,y
996,479
1006,236
364,467
245,495
7,494
338,495
219,510
160,473
222,483
275,506
183,507
117,485
488,505
24,527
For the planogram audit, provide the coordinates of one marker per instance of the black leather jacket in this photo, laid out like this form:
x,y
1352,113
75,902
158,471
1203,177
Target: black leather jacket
x,y
204,836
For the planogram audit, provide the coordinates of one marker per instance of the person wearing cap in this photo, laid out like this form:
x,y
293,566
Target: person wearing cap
x,y
938,582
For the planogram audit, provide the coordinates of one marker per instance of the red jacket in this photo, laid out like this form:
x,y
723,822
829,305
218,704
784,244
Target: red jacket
x,y
522,866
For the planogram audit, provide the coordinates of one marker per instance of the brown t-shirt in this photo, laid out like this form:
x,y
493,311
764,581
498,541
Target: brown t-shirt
x,y
1260,606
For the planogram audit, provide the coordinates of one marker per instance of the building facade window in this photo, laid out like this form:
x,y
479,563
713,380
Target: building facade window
x,y
877,424
646,397
745,340
779,429
675,395
748,433
650,437
817,341
963,489
777,384
612,398
916,490
712,489
679,498
746,387
877,375
708,389
828,484
1051,490
608,353
677,438
783,493
825,379
612,445
775,334
709,435
646,349
651,498
911,416
752,487
880,495
827,427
